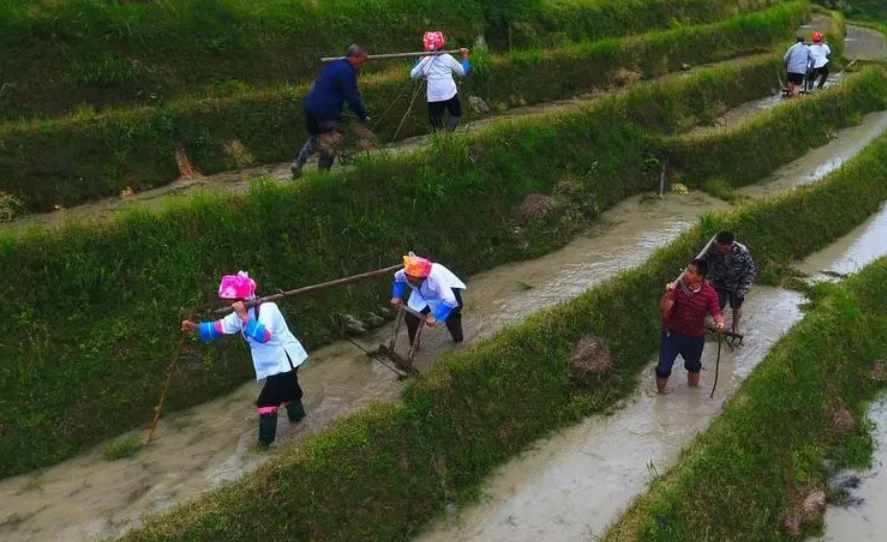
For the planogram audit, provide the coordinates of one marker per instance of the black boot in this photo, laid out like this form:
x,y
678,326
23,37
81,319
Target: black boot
x,y
295,411
267,429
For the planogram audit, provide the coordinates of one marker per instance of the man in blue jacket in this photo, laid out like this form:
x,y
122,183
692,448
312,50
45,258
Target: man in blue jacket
x,y
323,105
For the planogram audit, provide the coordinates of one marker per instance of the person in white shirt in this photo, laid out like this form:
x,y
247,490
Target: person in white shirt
x,y
276,352
438,71
797,62
436,293
821,54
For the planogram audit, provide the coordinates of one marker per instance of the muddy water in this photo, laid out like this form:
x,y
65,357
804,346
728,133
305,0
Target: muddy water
x,y
201,448
572,486
198,449
865,44
862,246
865,521
821,161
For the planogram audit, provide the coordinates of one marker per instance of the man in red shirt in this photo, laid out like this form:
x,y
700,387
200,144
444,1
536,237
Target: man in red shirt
x,y
684,308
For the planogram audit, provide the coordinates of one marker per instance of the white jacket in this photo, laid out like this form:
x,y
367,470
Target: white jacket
x,y
271,357
438,71
436,290
820,52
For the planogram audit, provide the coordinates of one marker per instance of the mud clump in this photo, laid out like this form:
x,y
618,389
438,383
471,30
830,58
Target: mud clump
x,y
623,77
807,511
351,325
843,421
536,206
590,359
478,105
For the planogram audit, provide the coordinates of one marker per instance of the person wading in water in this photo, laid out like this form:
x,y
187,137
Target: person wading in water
x,y
684,307
276,352
436,293
732,272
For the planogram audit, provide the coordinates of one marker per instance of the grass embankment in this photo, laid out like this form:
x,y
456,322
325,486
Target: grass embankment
x,y
743,154
381,474
94,306
57,56
90,155
741,479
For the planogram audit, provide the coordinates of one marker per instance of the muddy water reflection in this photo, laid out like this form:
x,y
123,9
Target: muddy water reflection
x,y
862,246
867,521
200,448
572,486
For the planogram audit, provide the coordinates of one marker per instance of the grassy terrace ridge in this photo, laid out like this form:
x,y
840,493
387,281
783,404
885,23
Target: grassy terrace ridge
x,y
384,472
90,155
743,154
105,53
97,305
741,478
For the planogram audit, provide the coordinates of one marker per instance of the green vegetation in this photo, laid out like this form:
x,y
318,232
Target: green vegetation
x,y
93,306
743,477
90,155
743,154
58,56
119,449
387,470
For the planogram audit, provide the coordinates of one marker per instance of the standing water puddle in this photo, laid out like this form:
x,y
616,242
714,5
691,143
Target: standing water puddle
x,y
572,486
865,522
198,449
576,484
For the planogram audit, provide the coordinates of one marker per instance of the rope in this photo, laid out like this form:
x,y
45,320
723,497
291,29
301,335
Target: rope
x,y
418,88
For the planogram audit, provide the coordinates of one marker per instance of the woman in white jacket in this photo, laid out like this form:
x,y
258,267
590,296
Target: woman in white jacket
x,y
438,71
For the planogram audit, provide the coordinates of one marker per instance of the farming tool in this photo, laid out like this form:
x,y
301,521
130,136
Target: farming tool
x,y
171,369
717,367
733,339
389,351
388,56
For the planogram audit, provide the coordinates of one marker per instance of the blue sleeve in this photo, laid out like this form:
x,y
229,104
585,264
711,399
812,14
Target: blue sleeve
x,y
348,81
207,331
466,65
398,289
442,312
257,331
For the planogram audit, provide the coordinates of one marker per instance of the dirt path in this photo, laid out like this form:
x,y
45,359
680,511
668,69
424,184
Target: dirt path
x,y
238,181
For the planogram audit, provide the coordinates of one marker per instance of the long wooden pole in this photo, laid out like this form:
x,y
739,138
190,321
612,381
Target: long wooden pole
x,y
315,287
394,55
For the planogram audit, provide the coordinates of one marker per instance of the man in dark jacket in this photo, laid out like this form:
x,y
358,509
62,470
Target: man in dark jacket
x,y
732,273
336,85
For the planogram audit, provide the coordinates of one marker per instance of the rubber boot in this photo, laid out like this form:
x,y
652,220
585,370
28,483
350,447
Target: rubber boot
x,y
452,123
295,411
267,429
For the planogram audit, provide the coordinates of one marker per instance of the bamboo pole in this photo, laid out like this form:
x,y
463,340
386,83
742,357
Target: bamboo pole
x,y
394,55
316,287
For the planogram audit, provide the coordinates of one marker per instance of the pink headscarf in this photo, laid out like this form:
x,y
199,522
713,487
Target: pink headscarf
x,y
434,41
238,286
416,266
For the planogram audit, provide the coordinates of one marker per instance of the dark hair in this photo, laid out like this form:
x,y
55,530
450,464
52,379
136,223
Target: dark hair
x,y
800,39
354,50
701,266
726,238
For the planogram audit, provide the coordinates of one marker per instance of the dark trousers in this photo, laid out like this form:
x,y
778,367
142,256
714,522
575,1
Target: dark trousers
x,y
316,130
454,321
436,113
818,73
